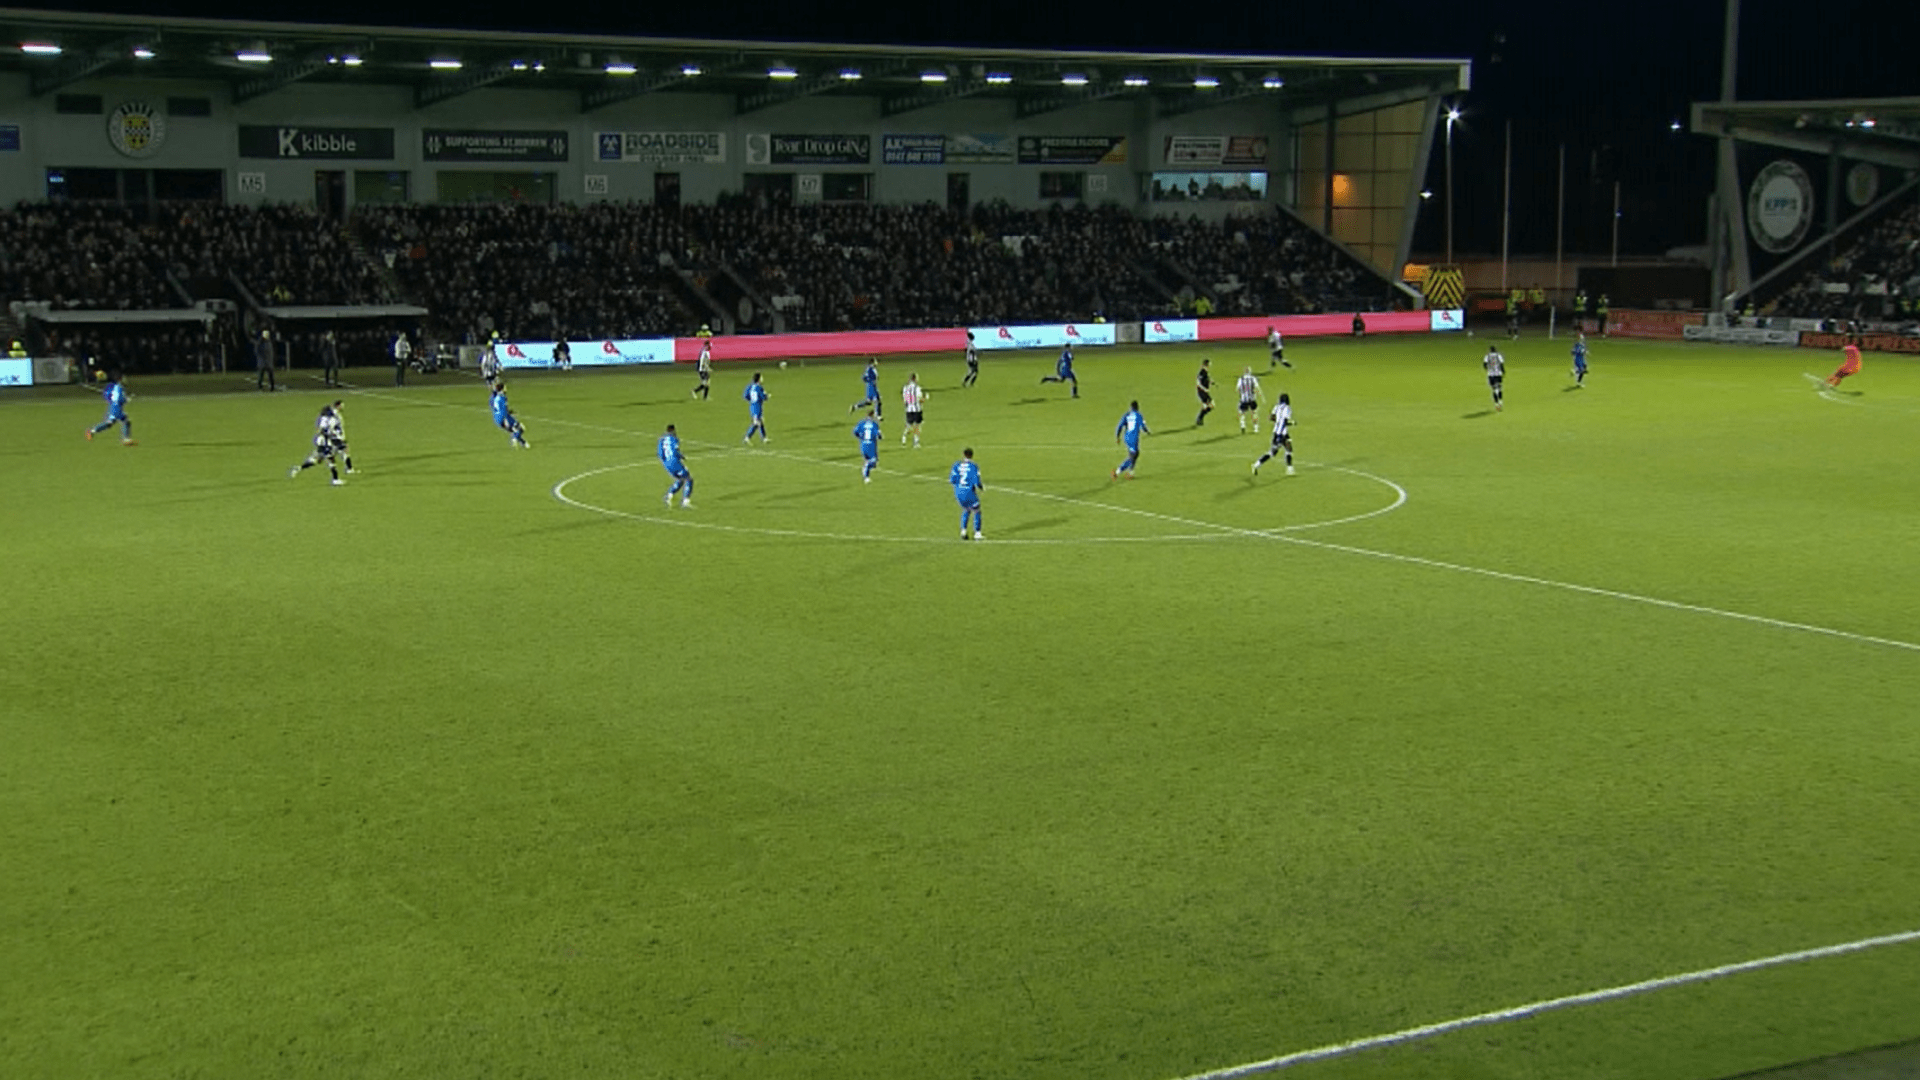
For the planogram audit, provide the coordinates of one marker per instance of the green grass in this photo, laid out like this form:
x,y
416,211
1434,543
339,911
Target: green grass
x,y
435,775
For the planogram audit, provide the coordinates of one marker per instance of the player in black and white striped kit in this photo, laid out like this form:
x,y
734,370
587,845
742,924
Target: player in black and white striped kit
x,y
915,400
1282,436
1496,366
1276,349
490,364
329,443
1249,388
704,390
973,362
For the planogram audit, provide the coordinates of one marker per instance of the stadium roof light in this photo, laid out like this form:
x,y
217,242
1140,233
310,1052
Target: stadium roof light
x,y
1868,122
352,61
256,55
1073,79
781,71
616,67
141,52
1135,80
1273,82
999,78
39,48
850,75
933,76
518,65
1453,113
1205,82
444,63
689,70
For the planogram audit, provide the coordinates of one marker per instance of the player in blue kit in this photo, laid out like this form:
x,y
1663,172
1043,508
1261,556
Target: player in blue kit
x,y
504,419
871,395
868,432
965,478
1580,361
1063,370
756,395
116,395
1128,431
676,467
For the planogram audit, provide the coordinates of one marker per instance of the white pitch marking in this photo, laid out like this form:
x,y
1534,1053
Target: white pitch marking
x,y
559,492
1522,1012
1344,548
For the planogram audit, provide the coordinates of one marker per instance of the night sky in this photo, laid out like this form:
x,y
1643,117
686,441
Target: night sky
x,y
1604,79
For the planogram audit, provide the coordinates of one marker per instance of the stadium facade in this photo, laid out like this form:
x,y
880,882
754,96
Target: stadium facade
x,y
339,116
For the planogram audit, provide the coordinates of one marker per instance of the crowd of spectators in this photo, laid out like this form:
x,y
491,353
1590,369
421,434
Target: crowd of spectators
x,y
1269,264
1875,277
82,256
536,272
285,255
604,270
845,267
102,256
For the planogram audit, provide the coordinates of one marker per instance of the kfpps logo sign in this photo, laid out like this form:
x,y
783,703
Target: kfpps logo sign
x,y
1780,206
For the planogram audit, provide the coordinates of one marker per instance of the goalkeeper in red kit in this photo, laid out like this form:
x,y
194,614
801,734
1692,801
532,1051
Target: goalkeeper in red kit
x,y
1848,366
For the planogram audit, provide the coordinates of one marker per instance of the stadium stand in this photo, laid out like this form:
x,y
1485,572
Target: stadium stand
x,y
82,256
536,272
1877,276
533,272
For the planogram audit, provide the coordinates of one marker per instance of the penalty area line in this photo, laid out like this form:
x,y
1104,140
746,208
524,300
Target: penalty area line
x,y
1535,1008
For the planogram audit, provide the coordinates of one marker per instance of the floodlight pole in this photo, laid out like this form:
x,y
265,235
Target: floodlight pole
x,y
1559,229
1452,115
1616,223
1506,210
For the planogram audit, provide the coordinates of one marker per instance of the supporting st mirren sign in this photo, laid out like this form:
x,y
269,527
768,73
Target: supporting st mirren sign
x,y
364,144
1780,206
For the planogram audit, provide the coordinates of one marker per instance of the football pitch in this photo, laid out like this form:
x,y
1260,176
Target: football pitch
x,y
489,764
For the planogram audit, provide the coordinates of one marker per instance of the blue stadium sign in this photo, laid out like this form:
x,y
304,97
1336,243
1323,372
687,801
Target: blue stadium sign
x,y
913,150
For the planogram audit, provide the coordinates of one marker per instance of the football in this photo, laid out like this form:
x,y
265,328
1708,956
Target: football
x,y
783,365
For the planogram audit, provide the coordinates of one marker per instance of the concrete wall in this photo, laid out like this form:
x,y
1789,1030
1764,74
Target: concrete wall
x,y
52,140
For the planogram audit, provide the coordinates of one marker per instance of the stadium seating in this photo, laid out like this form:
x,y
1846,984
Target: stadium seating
x,y
636,270
1873,277
536,272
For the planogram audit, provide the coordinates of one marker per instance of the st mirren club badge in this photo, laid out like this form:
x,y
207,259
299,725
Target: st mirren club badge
x,y
136,129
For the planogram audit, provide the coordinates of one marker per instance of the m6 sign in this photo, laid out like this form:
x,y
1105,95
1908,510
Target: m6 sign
x,y
363,144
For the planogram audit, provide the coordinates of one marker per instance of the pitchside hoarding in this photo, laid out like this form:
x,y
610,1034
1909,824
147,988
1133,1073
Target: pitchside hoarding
x,y
1444,319
16,372
539,354
1052,336
1164,331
